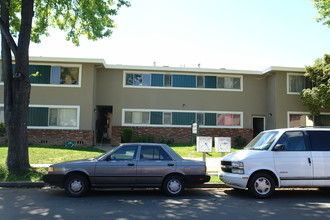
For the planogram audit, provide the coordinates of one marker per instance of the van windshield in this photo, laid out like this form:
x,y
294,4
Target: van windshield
x,y
262,141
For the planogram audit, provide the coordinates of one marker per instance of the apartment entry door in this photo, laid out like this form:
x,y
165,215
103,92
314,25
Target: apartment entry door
x,y
258,125
103,124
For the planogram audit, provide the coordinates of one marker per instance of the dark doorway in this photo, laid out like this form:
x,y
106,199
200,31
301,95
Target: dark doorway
x,y
103,124
258,125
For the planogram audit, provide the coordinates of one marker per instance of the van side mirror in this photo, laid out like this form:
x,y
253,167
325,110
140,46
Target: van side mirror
x,y
279,147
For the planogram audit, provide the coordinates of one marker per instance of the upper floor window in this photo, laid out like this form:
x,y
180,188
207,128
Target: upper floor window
x,y
297,82
230,83
54,75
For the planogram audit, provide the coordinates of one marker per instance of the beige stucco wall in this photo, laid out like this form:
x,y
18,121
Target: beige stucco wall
x,y
279,102
110,91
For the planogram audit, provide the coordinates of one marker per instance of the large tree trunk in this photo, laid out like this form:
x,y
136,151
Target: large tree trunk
x,y
17,89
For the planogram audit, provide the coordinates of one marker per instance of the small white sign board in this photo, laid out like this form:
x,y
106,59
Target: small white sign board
x,y
204,144
222,144
194,128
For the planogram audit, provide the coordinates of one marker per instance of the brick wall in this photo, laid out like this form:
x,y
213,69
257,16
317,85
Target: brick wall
x,y
180,135
60,137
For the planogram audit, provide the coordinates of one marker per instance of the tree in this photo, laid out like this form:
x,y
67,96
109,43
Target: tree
x,y
323,9
318,97
23,21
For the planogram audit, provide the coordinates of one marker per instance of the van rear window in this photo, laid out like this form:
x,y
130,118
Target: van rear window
x,y
320,140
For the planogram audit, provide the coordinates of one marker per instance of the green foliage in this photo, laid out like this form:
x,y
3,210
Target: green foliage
x,y
91,18
126,135
2,129
167,141
318,97
3,172
240,142
323,9
145,139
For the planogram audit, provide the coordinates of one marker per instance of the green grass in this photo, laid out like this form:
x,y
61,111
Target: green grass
x,y
56,154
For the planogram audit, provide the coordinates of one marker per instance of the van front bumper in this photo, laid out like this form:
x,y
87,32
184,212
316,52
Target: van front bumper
x,y
234,180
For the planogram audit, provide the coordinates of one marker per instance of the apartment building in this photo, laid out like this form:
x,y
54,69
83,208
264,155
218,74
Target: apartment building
x,y
90,102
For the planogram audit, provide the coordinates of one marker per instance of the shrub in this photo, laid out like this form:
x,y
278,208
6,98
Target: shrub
x,y
167,141
126,135
2,129
145,139
3,172
239,142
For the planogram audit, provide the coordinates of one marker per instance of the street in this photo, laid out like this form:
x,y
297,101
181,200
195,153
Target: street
x,y
52,203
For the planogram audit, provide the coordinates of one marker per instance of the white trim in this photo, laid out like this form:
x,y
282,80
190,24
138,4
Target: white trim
x,y
58,127
183,126
288,83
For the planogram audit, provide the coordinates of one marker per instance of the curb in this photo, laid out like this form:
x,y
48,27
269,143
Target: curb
x,y
26,184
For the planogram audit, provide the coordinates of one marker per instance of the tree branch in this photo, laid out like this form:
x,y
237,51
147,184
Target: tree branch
x,y
10,41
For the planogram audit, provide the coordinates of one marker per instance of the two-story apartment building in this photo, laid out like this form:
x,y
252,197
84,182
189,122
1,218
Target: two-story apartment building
x,y
90,102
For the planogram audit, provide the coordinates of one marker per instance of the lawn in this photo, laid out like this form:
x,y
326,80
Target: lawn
x,y
56,154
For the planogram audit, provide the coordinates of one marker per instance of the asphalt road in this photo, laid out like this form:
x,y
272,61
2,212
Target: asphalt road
x,y
202,204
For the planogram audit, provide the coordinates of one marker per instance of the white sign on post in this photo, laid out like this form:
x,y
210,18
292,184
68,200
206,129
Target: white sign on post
x,y
204,144
222,144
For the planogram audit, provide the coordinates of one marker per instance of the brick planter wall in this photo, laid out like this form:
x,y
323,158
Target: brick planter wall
x,y
60,137
179,135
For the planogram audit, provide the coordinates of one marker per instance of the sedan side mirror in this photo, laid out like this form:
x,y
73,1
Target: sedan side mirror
x,y
279,147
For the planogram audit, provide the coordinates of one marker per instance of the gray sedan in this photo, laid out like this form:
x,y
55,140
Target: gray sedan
x,y
129,165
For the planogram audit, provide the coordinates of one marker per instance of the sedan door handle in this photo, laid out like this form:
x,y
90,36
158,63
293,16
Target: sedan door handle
x,y
170,164
130,164
309,161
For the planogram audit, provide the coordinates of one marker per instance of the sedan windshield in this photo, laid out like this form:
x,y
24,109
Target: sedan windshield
x,y
262,141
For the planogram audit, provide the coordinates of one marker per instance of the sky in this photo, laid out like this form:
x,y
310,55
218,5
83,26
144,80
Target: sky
x,y
231,34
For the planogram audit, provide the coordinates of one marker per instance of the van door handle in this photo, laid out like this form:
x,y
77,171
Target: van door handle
x,y
309,161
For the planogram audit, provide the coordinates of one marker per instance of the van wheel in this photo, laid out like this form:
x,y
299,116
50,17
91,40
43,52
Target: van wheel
x,y
76,185
261,185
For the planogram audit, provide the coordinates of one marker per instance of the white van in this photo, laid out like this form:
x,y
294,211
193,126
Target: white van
x,y
294,157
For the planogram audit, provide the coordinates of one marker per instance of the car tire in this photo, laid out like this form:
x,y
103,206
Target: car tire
x,y
261,185
173,185
76,185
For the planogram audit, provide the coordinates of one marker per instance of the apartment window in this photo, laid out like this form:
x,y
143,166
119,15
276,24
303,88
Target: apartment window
x,y
298,120
46,74
297,82
136,117
167,118
137,79
63,117
200,118
200,82
303,120
185,118
229,119
167,80
227,82
53,117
